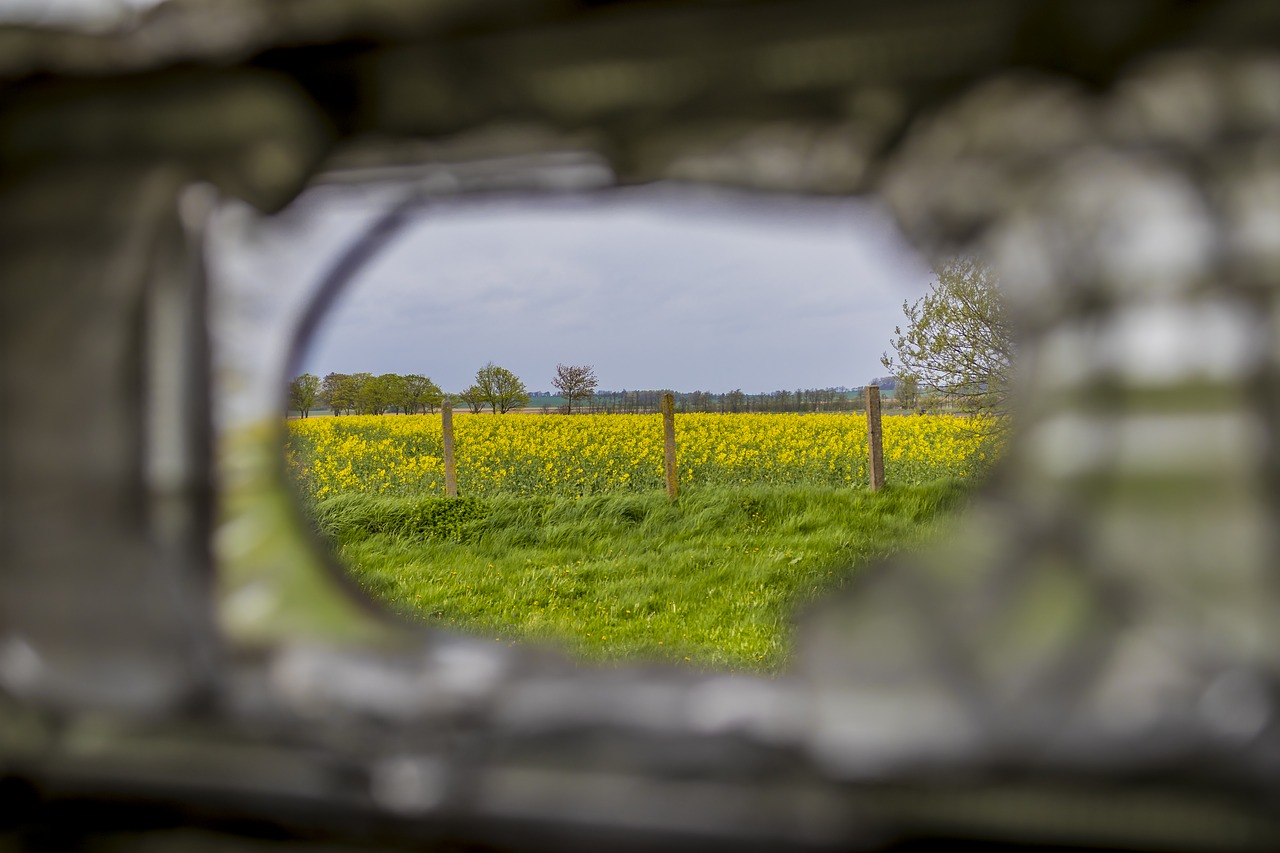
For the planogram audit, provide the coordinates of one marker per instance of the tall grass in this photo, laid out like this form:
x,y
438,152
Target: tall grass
x,y
711,579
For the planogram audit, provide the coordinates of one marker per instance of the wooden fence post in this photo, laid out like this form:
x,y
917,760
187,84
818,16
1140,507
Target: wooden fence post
x,y
875,440
669,435
450,470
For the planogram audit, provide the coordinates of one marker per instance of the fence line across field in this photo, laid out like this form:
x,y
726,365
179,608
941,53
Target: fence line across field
x,y
875,445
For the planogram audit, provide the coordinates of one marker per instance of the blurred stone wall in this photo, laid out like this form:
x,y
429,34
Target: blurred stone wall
x,y
1092,663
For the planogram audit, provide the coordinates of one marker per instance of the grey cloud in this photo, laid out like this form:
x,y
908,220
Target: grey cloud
x,y
652,290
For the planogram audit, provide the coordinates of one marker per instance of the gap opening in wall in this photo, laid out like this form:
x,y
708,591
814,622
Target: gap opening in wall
x,y
537,336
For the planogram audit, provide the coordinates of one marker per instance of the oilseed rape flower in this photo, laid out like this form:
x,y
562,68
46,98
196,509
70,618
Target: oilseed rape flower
x,y
572,455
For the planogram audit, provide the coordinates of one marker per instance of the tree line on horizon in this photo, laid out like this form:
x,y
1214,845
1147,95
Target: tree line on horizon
x,y
649,401
500,391
494,387
364,394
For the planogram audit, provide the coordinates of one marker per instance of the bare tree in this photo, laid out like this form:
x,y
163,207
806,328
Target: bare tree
x,y
575,382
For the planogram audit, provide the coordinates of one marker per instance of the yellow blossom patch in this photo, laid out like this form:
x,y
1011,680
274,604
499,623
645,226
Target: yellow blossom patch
x,y
569,455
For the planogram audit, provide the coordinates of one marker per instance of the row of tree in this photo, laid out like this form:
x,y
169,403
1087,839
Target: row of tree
x,y
500,391
836,399
367,394
364,394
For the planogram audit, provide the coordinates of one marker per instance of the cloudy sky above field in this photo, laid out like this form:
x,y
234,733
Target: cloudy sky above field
x,y
654,288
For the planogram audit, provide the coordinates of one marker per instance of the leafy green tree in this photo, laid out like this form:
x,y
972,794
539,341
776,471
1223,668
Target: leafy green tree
x,y
364,396
419,394
386,392
957,342
500,388
304,392
473,397
907,392
575,382
338,392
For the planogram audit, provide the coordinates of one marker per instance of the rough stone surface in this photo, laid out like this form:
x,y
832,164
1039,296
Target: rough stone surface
x,y
1093,663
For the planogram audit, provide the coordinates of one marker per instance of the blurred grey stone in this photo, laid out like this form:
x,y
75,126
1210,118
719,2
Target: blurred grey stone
x,y
1090,661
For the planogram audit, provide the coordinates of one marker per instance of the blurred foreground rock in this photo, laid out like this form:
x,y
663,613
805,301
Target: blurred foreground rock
x,y
1094,663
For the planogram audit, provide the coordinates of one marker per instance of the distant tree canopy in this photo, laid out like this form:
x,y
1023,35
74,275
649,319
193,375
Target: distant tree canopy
x,y
418,394
837,399
366,394
907,392
337,392
500,388
473,397
957,343
374,393
575,382
304,393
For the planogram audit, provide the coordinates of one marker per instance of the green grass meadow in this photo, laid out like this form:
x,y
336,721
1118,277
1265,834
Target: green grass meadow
x,y
711,580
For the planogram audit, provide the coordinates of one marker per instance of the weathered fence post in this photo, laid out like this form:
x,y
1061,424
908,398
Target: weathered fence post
x,y
875,440
669,435
450,470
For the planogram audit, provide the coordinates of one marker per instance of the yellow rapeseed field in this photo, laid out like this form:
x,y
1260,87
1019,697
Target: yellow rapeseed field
x,y
584,454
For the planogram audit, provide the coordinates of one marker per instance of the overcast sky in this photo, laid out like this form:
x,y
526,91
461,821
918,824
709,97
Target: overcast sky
x,y
654,288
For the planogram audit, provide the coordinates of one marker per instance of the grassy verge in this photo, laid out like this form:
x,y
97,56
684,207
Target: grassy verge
x,y
712,579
